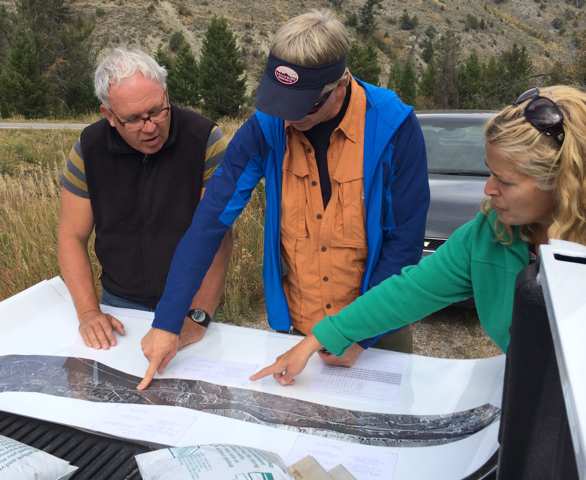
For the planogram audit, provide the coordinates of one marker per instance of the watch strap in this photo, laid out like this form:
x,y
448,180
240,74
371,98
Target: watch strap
x,y
207,320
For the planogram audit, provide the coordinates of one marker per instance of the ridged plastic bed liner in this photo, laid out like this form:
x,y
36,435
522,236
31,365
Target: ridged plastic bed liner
x,y
98,457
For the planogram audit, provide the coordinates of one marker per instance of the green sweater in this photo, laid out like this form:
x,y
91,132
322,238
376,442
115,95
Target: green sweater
x,y
472,263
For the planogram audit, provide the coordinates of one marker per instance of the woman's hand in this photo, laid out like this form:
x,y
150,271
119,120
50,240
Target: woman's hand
x,y
291,363
347,360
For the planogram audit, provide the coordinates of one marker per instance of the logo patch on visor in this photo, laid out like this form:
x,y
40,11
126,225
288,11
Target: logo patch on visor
x,y
286,75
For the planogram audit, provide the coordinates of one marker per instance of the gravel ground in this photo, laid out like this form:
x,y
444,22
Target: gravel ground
x,y
452,333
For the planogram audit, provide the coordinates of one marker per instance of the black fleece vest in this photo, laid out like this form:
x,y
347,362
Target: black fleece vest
x,y
142,204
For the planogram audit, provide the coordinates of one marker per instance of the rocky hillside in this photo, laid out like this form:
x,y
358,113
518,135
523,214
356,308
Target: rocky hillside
x,y
546,28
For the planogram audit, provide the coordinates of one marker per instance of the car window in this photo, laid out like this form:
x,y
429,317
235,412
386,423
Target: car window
x,y
454,146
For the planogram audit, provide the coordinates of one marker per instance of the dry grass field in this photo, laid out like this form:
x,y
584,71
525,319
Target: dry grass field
x,y
30,164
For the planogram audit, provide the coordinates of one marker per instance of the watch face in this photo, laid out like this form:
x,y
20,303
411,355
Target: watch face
x,y
198,316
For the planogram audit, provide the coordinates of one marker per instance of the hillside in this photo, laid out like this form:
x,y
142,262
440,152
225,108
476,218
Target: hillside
x,y
546,28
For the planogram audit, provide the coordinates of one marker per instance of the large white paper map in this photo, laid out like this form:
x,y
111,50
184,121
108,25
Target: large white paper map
x,y
392,416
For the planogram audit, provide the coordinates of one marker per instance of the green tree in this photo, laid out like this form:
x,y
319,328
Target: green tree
x,y
71,72
407,87
579,67
182,80
395,75
471,23
221,71
427,85
559,74
367,17
164,59
177,42
469,82
492,83
408,23
363,62
517,68
58,41
430,32
22,86
351,20
448,53
337,4
45,19
5,32
427,51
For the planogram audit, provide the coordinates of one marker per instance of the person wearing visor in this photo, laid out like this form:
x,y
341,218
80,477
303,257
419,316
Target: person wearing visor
x,y
346,188
536,155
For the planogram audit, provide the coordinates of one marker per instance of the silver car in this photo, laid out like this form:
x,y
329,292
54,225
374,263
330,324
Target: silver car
x,y
457,170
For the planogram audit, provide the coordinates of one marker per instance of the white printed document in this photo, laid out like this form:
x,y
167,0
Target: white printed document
x,y
392,416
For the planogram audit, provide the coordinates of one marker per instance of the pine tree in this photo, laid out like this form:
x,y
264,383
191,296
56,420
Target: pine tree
x,y
408,23
71,73
363,62
177,42
45,19
5,32
446,91
427,84
492,84
427,51
50,35
182,81
337,4
395,75
221,72
23,90
469,82
164,59
559,74
579,67
407,88
367,17
517,69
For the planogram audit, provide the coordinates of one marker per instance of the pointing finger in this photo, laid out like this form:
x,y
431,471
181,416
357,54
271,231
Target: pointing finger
x,y
150,373
265,372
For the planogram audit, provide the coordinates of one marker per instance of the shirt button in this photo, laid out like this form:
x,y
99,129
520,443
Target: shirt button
x,y
318,216
313,183
328,306
324,248
325,279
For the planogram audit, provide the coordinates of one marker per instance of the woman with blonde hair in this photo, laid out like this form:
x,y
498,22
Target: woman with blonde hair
x,y
536,155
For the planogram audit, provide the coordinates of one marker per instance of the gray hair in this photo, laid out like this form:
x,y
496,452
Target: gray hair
x,y
120,63
311,39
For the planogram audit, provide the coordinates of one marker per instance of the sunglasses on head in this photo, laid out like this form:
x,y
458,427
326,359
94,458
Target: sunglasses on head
x,y
543,114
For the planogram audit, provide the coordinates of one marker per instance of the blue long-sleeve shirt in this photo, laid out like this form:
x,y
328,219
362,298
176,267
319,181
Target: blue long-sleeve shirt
x,y
396,203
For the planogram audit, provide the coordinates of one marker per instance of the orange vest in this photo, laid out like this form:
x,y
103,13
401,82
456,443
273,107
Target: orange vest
x,y
324,251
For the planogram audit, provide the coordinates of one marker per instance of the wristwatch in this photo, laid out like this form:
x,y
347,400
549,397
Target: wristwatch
x,y
199,316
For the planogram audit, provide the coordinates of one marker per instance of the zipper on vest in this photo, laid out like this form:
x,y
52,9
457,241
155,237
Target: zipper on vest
x,y
142,218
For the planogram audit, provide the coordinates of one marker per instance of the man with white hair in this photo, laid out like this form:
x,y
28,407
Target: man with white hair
x,y
346,192
135,177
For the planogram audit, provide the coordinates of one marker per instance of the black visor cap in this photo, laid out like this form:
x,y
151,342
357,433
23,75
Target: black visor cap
x,y
289,91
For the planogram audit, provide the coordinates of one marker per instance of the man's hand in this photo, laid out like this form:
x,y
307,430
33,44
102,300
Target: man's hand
x,y
97,329
190,333
291,363
159,347
346,360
